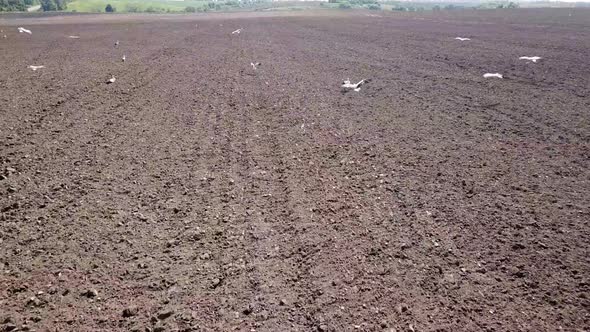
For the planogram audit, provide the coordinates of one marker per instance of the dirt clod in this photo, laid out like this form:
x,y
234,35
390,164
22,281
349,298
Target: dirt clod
x,y
322,328
215,282
248,310
90,293
34,301
165,314
9,327
130,311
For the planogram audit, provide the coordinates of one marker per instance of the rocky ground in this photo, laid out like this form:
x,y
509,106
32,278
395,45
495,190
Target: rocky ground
x,y
197,193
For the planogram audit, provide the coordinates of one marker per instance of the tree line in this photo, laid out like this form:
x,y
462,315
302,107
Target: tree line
x,y
53,5
22,5
16,5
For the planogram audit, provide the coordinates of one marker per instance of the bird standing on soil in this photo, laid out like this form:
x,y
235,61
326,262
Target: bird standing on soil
x,y
111,80
530,58
34,68
356,87
123,58
21,30
116,43
462,39
490,75
237,31
254,65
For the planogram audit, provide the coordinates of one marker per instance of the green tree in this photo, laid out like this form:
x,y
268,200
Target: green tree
x,y
190,9
48,5
109,8
16,5
61,4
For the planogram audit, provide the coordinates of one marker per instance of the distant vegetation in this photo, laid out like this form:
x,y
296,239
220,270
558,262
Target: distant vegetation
x,y
162,6
411,6
194,6
419,6
16,5
349,4
53,5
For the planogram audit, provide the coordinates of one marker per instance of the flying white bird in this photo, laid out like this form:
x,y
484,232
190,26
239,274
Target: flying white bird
x,y
488,75
356,87
111,80
36,67
21,30
254,65
123,58
462,39
74,37
236,31
530,58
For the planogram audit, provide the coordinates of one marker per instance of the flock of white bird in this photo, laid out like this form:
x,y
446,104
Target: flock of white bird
x,y
357,87
498,75
346,84
112,80
35,68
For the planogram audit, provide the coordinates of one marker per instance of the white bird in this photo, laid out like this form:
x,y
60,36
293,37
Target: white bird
x,y
488,75
254,65
116,43
123,58
462,39
74,37
36,67
111,80
4,37
530,58
236,31
357,87
21,30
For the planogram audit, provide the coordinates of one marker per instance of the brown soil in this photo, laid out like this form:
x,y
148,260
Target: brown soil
x,y
198,194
